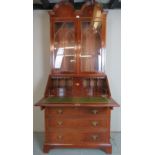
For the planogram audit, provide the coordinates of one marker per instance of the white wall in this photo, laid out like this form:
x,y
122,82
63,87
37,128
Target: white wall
x,y
41,68
113,63
41,42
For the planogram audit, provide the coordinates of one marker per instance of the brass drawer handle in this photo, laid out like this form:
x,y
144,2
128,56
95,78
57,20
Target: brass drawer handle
x,y
94,123
60,111
59,122
59,137
95,137
94,111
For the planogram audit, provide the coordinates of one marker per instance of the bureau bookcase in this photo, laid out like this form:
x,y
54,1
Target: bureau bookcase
x,y
77,101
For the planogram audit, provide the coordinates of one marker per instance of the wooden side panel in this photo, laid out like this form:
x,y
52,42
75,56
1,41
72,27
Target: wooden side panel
x,y
48,85
108,88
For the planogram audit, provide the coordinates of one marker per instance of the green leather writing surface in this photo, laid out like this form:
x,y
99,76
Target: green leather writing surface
x,y
76,100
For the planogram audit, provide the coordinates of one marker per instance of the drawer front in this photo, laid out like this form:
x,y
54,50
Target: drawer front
x,y
76,123
76,137
68,112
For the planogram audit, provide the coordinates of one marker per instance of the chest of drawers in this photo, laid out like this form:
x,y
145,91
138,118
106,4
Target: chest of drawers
x,y
77,127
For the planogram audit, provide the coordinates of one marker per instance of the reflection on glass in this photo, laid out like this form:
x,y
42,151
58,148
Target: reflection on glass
x,y
59,57
91,49
64,56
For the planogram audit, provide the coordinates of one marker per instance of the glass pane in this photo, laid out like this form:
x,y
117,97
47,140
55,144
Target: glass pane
x,y
64,56
92,54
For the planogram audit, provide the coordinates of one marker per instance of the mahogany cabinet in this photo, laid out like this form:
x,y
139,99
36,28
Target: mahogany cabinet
x,y
77,99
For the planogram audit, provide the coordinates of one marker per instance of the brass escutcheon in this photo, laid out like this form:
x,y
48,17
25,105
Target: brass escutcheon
x,y
59,122
94,137
94,123
59,111
94,111
59,137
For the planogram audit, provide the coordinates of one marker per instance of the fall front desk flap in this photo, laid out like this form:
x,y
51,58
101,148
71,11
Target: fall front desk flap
x,y
76,100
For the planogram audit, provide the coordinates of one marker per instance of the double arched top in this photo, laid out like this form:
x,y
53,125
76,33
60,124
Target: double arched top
x,y
66,9
87,10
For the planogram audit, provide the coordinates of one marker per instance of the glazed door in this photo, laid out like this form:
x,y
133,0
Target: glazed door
x,y
64,50
92,54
